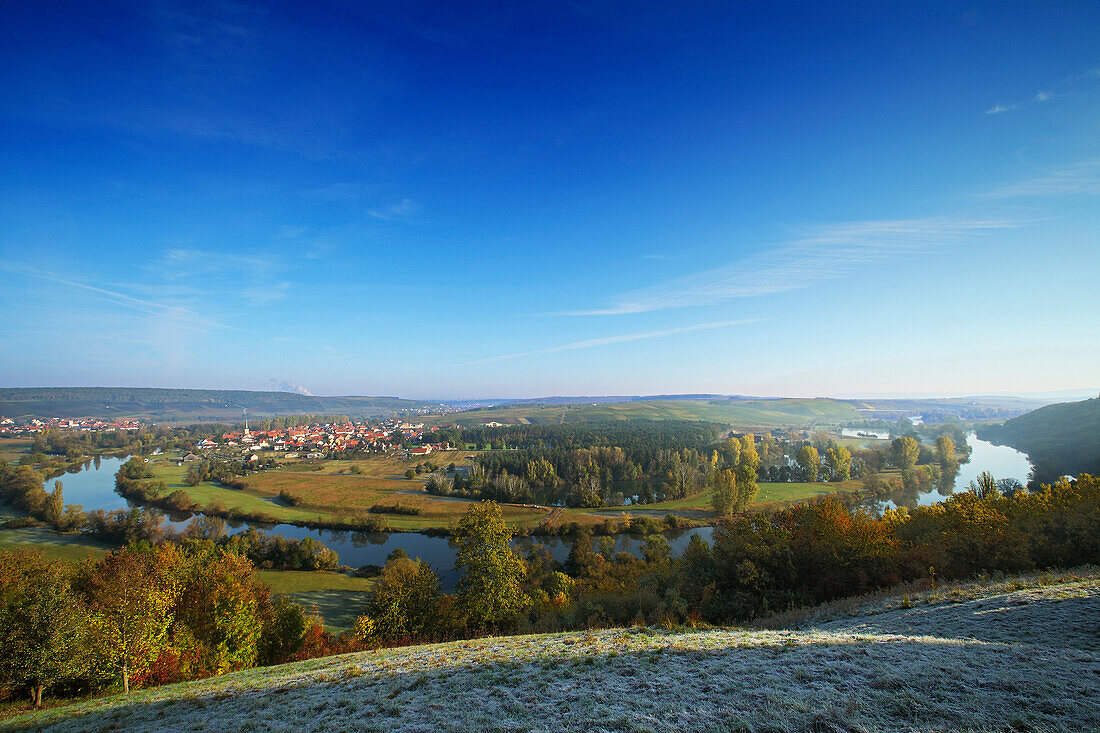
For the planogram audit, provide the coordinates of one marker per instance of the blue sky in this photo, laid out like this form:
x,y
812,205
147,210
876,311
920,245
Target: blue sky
x,y
527,199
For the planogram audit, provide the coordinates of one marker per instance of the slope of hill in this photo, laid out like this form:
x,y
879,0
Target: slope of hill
x,y
741,412
1020,656
1059,439
185,404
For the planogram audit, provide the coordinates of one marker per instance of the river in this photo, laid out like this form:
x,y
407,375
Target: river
x,y
93,487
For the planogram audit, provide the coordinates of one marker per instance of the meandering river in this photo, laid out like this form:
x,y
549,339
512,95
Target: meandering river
x,y
93,487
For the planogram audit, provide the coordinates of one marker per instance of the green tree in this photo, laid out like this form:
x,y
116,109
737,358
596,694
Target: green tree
x,y
222,603
405,601
809,460
839,462
747,467
39,621
985,486
490,572
724,498
904,452
945,450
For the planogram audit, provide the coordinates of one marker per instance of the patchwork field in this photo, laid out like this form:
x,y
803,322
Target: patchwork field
x,y
1018,656
745,414
334,494
12,449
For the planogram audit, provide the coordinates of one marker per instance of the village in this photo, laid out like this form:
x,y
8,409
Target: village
x,y
328,440
9,428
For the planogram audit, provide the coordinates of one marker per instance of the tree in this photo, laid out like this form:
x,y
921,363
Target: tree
x,y
405,601
747,468
839,462
724,498
55,505
945,450
985,486
131,594
39,621
410,474
809,461
222,603
904,452
490,572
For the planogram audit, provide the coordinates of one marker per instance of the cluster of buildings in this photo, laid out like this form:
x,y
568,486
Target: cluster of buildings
x,y
317,441
9,427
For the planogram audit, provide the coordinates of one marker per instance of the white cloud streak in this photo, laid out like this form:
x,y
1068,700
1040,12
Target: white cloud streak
x,y
1079,179
608,340
151,307
400,210
826,253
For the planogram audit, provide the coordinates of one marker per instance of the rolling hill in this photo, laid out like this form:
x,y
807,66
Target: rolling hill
x,y
1016,655
175,405
1059,439
741,412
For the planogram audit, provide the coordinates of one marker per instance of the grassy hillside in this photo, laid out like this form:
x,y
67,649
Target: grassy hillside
x,y
1022,656
184,404
1059,439
742,413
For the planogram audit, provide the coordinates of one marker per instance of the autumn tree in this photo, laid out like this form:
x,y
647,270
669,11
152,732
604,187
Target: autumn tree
x,y
222,603
809,460
131,594
839,463
724,498
39,622
405,601
747,466
945,450
490,572
904,452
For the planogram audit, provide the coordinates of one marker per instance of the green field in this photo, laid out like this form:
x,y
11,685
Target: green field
x,y
770,495
332,494
745,414
68,547
337,598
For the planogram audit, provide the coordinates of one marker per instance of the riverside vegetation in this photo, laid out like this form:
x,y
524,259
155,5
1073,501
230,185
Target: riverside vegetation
x,y
153,613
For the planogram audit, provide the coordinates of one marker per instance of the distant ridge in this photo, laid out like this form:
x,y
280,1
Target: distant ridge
x,y
186,404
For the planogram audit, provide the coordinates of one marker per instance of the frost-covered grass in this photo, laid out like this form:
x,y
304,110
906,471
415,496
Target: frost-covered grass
x,y
986,658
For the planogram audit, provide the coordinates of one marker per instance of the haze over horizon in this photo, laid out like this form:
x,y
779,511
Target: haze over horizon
x,y
523,201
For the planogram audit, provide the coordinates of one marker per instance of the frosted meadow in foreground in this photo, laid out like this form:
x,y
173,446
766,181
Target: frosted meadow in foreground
x,y
1017,654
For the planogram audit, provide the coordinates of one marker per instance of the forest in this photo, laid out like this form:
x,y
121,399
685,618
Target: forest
x,y
1060,439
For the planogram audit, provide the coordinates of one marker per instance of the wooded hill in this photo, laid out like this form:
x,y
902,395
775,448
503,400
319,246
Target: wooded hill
x,y
185,404
1060,439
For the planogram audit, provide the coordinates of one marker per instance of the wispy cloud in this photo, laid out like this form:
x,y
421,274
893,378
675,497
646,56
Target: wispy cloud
x,y
608,340
265,294
1079,179
825,253
1000,108
159,308
1062,88
400,210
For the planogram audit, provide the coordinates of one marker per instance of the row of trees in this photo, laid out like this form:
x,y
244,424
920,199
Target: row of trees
x,y
756,564
22,486
146,614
